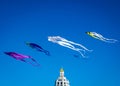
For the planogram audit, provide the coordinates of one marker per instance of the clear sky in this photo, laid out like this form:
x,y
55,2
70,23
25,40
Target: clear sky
x,y
33,21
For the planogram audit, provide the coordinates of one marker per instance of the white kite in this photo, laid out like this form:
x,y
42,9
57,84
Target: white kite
x,y
69,44
100,37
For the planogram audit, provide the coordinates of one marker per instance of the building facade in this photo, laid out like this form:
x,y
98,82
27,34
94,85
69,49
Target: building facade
x,y
62,81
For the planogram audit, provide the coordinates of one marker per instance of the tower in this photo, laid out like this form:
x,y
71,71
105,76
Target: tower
x,y
62,81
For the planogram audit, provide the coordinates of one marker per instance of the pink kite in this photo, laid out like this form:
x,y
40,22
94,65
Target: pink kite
x,y
23,58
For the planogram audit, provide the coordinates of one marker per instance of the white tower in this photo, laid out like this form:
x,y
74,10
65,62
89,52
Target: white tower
x,y
62,81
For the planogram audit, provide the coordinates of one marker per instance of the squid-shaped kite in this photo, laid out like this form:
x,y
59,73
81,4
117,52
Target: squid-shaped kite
x,y
100,37
69,44
23,58
38,48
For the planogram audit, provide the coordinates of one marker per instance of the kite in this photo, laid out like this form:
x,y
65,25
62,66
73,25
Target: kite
x,y
69,44
22,58
100,37
76,56
38,48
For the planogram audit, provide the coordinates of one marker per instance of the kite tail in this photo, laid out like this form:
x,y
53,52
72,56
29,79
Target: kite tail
x,y
33,64
84,53
36,63
110,40
47,52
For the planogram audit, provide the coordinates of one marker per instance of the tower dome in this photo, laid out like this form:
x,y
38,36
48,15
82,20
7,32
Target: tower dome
x,y
62,81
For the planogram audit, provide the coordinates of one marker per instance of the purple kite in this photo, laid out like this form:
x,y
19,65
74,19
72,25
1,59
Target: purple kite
x,y
23,58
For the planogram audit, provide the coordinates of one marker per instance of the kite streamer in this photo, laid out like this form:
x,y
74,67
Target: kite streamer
x,y
69,44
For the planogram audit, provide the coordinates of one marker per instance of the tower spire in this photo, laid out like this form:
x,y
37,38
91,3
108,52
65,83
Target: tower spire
x,y
62,81
61,73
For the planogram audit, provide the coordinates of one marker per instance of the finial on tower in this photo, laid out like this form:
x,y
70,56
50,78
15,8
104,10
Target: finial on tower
x,y
61,70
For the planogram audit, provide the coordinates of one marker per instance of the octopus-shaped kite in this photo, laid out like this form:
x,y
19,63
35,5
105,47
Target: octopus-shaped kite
x,y
38,48
100,37
69,44
23,58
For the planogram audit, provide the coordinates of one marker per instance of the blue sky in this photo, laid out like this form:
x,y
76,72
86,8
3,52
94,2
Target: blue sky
x,y
33,21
